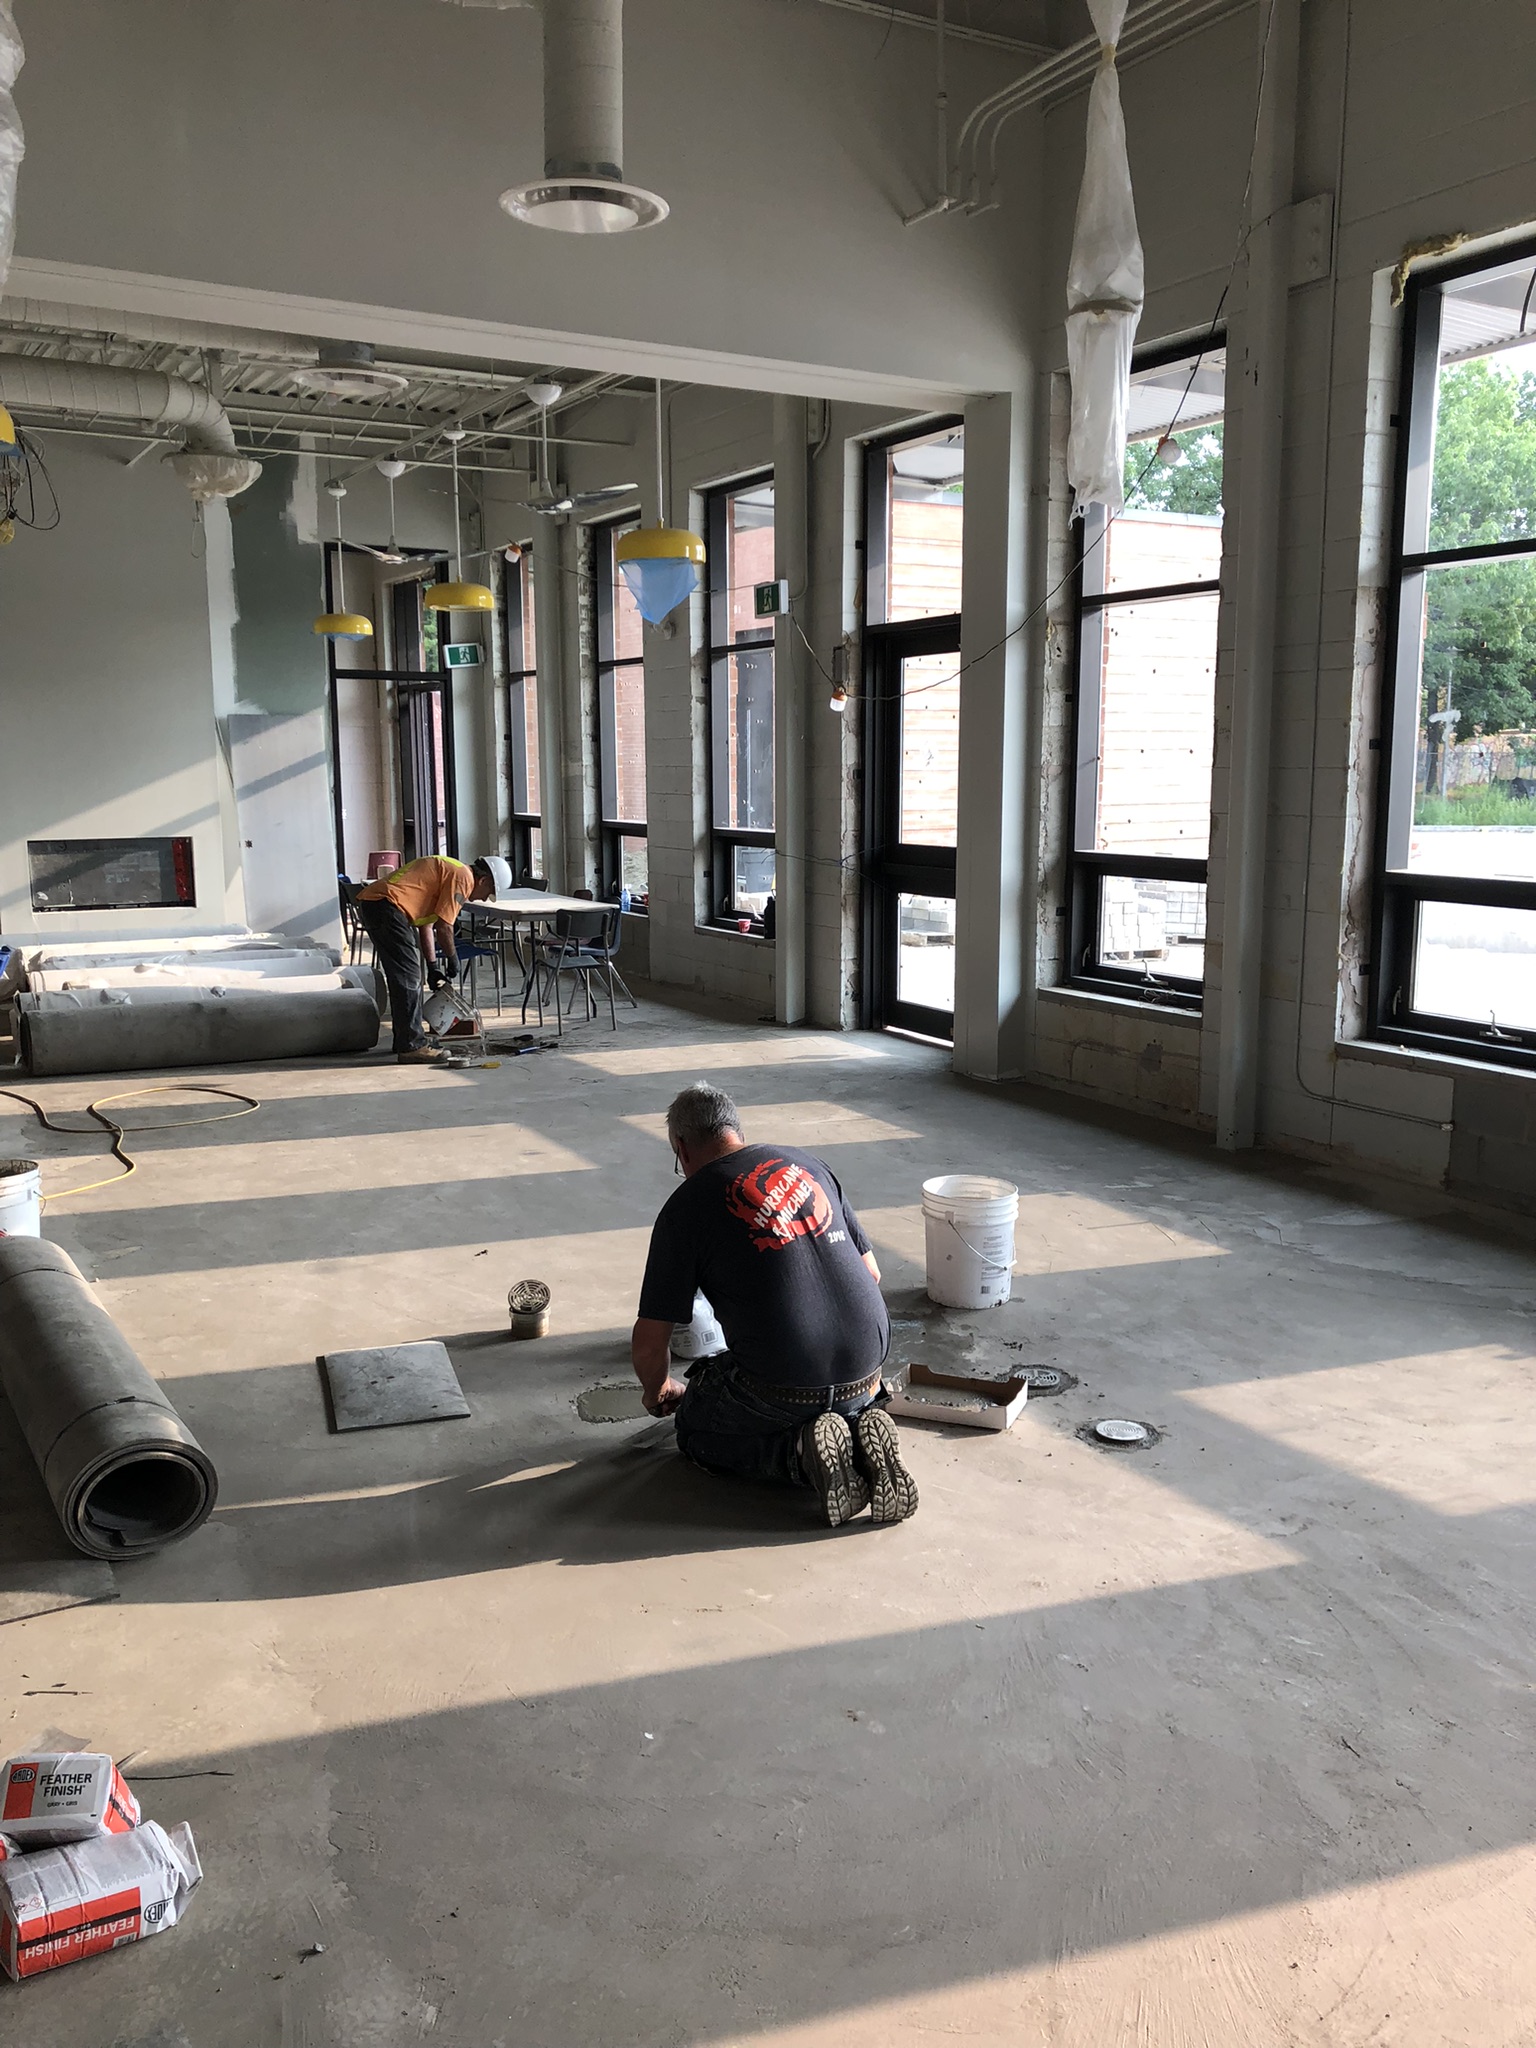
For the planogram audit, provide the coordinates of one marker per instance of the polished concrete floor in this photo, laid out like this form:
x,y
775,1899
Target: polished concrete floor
x,y
548,1741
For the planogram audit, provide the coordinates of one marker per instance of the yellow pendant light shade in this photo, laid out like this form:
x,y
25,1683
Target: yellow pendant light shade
x,y
660,563
661,566
342,624
457,596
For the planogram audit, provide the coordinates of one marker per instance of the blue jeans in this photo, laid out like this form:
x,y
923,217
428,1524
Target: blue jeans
x,y
726,1425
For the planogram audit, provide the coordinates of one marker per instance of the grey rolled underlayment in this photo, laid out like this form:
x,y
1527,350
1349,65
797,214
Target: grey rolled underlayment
x,y
114,1030
124,1472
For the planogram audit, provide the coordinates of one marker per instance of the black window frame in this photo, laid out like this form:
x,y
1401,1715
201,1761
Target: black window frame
x,y
523,821
1398,895
720,645
892,867
1087,869
612,830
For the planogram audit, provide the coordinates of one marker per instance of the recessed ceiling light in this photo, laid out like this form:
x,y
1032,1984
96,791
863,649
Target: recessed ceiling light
x,y
346,369
584,206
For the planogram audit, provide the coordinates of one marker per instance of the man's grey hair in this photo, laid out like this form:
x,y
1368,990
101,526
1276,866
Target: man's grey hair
x,y
700,1115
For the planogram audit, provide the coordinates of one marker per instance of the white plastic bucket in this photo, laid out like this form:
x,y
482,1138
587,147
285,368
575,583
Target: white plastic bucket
x,y
21,1198
703,1337
968,1222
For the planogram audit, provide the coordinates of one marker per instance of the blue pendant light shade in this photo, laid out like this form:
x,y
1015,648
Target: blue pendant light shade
x,y
659,583
660,563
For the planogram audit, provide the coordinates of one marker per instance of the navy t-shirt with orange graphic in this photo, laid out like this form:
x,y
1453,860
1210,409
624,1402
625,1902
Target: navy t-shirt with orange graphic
x,y
768,1235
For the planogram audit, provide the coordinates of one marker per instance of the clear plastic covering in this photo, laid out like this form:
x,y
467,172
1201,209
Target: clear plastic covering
x,y
214,476
12,142
1105,288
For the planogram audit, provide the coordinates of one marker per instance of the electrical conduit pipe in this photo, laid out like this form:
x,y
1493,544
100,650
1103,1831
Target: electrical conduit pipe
x,y
124,1472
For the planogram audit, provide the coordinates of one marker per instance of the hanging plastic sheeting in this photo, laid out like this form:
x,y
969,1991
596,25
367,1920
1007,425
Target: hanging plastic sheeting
x,y
1105,288
12,143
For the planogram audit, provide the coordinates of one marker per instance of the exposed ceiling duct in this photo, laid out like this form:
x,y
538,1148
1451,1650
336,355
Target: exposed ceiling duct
x,y
583,190
209,465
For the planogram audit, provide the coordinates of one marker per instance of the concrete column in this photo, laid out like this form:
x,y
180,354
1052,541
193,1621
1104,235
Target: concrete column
x,y
791,700
1259,390
990,862
549,603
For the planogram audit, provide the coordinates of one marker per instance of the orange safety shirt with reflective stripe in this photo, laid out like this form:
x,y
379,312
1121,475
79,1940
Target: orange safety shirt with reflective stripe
x,y
429,891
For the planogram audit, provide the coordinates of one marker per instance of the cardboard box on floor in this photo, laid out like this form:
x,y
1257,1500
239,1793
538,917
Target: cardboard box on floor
x,y
923,1394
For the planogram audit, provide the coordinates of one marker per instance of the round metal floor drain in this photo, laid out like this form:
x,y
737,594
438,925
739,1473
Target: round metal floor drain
x,y
1115,1434
1048,1379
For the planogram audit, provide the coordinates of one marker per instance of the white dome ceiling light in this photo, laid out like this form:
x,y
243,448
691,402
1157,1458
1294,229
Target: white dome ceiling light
x,y
583,190
346,369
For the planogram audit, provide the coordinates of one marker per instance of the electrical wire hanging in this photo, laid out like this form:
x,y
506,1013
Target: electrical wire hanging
x,y
22,502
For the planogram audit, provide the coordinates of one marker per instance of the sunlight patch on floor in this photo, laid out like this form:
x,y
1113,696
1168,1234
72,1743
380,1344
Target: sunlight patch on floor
x,y
1450,1430
1055,1234
1438,1957
330,1165
701,1058
805,1124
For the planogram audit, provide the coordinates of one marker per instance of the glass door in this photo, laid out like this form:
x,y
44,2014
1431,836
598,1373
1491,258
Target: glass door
x,y
913,694
427,808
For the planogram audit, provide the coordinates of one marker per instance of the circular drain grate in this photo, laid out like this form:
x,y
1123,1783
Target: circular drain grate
x,y
1115,1434
1048,1379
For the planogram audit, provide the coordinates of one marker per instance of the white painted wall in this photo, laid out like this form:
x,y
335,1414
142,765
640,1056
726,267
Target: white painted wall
x,y
373,137
107,677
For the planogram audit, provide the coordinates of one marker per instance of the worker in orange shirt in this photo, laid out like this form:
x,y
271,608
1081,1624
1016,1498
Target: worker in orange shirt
x,y
409,915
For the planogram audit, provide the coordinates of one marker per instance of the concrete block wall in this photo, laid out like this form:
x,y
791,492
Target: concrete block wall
x,y
1323,1093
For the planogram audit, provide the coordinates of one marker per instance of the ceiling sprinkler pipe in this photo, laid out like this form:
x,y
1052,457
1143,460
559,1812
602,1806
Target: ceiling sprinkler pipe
x,y
124,1472
584,89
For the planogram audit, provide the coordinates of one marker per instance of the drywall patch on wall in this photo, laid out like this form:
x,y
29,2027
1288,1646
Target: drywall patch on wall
x,y
279,664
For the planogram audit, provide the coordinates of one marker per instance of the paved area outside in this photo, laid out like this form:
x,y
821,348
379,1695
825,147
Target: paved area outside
x,y
552,1742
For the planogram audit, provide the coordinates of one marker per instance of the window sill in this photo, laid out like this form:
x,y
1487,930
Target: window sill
x,y
1413,1059
725,931
1125,1006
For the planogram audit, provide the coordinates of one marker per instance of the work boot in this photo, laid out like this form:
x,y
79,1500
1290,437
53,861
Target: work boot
x,y
877,1448
826,1458
421,1056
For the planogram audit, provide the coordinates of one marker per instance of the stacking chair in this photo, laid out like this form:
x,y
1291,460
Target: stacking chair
x,y
585,943
352,929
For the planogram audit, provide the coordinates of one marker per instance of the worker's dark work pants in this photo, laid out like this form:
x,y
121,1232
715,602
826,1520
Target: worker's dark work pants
x,y
727,1426
395,943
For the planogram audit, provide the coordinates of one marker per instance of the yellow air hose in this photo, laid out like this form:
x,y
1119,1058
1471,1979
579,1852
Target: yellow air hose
x,y
119,1130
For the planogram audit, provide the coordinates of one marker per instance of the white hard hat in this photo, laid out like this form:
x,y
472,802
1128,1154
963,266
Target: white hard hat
x,y
501,872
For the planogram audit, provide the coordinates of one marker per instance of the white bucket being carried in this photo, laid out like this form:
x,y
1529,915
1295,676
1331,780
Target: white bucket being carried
x,y
968,1221
21,1198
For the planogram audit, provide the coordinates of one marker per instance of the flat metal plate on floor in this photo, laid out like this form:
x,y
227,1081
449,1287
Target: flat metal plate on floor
x,y
392,1383
1047,1379
1114,1434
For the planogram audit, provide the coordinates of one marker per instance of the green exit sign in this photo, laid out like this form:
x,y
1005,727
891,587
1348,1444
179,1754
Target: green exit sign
x,y
463,653
770,599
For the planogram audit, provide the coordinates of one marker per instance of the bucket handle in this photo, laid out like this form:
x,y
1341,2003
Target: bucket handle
x,y
997,1265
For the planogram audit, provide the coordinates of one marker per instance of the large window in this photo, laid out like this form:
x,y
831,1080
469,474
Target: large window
x,y
1454,962
1150,593
527,842
620,724
914,515
739,533
916,503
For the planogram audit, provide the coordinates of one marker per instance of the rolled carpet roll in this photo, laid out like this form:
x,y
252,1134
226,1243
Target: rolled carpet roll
x,y
124,1472
115,1030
